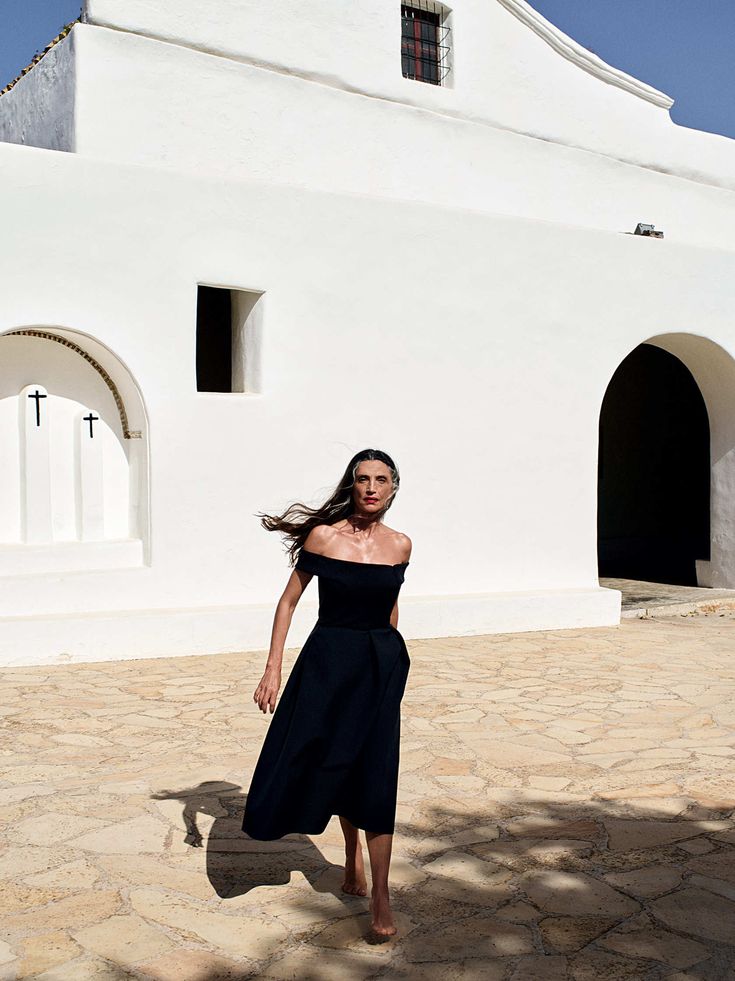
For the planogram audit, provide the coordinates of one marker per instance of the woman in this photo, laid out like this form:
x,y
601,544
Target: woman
x,y
332,746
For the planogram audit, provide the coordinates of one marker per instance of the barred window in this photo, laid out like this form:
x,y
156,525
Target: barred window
x,y
424,41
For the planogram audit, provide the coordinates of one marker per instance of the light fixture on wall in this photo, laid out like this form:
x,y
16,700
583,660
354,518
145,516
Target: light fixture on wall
x,y
648,230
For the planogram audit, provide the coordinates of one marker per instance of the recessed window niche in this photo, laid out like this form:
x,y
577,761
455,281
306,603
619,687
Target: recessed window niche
x,y
229,339
425,44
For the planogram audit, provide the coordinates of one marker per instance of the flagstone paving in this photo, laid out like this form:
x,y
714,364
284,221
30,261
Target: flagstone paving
x,y
566,811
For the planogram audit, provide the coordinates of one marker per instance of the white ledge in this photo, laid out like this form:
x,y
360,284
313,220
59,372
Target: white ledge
x,y
59,557
61,638
583,58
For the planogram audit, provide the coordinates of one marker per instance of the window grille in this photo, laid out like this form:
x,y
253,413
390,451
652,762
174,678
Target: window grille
x,y
424,41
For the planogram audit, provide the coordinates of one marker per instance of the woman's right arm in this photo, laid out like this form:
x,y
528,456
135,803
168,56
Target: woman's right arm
x,y
269,685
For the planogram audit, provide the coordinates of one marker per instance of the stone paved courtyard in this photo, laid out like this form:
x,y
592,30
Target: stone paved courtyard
x,y
565,811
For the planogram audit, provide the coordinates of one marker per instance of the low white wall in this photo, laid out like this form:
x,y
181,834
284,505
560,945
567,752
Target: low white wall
x,y
476,349
203,630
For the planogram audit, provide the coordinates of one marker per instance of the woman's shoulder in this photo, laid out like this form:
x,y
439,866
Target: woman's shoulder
x,y
400,542
322,539
319,538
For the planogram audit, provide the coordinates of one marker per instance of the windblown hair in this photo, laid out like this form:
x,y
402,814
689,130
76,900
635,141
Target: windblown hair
x,y
298,519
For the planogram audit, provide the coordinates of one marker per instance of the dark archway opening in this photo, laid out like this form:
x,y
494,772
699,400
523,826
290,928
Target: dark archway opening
x,y
653,472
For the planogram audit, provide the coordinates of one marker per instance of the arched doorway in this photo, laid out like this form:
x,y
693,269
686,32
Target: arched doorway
x,y
653,471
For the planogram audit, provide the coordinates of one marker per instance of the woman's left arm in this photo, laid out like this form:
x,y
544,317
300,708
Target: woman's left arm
x,y
407,546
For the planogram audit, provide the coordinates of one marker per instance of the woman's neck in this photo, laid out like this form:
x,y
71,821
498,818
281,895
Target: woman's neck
x,y
358,524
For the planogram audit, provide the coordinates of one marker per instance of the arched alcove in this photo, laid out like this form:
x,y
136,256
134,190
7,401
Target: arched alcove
x,y
666,465
74,455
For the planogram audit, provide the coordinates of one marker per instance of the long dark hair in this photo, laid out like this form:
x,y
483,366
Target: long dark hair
x,y
298,519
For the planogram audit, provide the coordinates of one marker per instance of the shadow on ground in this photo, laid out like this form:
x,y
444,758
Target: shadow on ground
x,y
523,887
237,863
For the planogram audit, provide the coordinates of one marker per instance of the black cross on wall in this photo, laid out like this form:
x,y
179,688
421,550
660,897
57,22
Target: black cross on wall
x,y
91,419
37,396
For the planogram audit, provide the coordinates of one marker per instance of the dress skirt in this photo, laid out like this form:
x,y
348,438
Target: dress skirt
x,y
332,746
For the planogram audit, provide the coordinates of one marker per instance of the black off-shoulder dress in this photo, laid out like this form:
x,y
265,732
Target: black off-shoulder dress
x,y
332,746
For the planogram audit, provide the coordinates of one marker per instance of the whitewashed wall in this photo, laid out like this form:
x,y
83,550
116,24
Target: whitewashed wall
x,y
491,342
511,69
140,100
492,273
160,105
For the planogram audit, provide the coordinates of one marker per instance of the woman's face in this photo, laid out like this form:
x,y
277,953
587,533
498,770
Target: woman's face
x,y
372,488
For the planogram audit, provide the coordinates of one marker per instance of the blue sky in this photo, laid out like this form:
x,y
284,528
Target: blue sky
x,y
28,26
684,47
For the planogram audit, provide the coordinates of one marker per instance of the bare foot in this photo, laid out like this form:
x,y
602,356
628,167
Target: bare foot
x,y
382,924
355,882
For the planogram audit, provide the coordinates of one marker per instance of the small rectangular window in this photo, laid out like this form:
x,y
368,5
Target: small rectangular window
x,y
228,339
214,340
424,41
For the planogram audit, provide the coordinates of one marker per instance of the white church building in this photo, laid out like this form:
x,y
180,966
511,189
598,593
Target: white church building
x,y
242,241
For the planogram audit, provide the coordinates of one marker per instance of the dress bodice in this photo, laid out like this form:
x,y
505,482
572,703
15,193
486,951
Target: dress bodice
x,y
360,595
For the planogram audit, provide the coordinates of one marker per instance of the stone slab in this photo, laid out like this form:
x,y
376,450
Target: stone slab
x,y
701,914
575,894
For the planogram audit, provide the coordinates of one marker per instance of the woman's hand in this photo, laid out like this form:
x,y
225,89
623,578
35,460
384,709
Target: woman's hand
x,y
267,690
265,693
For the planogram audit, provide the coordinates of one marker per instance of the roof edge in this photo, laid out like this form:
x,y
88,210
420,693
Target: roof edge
x,y
582,57
64,32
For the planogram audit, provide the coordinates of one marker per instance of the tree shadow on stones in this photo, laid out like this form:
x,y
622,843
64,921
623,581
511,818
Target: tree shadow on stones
x,y
536,887
524,888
